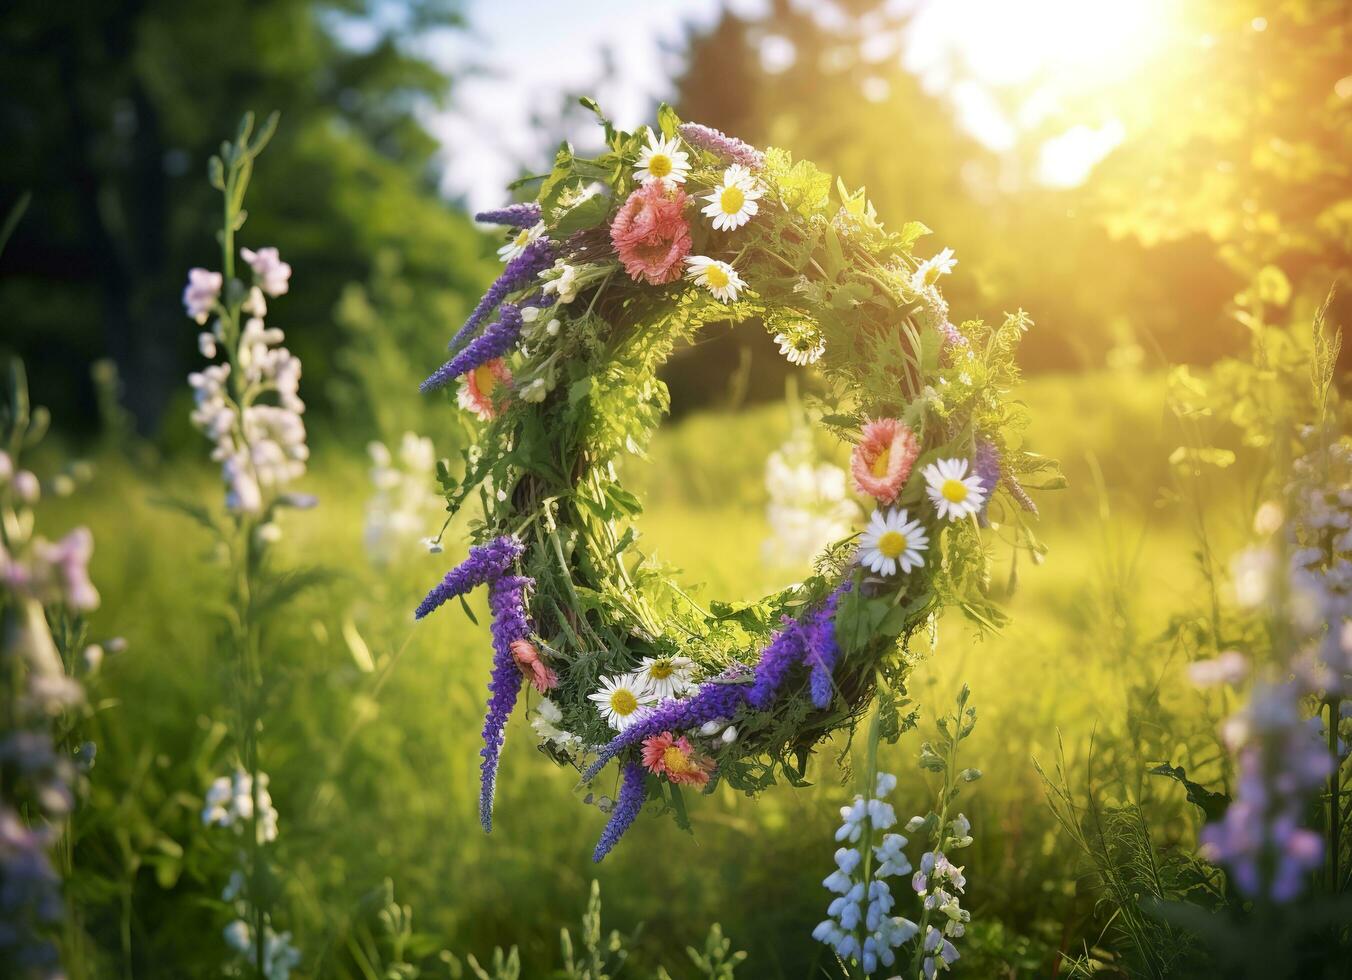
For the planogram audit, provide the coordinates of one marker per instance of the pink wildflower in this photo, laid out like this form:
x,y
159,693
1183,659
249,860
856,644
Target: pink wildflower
x,y
675,758
533,666
477,388
883,459
651,235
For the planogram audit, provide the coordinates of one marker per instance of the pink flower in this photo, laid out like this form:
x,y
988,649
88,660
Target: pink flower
x,y
530,663
270,272
883,459
675,758
651,235
478,387
201,293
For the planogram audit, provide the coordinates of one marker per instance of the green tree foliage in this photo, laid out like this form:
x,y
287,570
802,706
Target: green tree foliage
x,y
110,111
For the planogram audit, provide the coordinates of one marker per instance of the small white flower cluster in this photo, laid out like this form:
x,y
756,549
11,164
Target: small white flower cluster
x,y
808,506
279,956
860,925
261,446
548,724
230,803
403,506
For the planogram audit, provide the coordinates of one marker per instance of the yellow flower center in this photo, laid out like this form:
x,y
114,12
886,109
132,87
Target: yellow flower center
x,y
674,760
892,544
522,239
732,199
716,277
623,702
659,164
661,670
882,462
484,379
954,491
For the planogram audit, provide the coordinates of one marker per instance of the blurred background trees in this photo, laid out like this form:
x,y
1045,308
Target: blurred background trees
x,y
1131,176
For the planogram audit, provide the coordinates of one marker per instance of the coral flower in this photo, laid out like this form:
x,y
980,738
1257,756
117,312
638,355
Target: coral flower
x,y
883,459
478,386
651,235
533,666
675,758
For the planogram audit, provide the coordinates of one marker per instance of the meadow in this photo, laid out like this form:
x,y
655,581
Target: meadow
x,y
372,732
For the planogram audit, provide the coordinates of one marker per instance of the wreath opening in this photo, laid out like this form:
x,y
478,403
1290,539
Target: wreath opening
x,y
619,258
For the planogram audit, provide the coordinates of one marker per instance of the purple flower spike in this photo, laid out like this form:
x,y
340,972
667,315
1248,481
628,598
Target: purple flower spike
x,y
519,273
507,600
785,650
986,466
513,216
485,563
626,810
822,648
495,341
720,144
712,701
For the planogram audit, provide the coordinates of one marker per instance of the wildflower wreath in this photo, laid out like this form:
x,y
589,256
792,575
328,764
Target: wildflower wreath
x,y
618,259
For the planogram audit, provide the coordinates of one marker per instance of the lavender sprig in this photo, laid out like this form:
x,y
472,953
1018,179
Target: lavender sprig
x,y
519,273
986,465
822,650
626,810
486,562
784,651
497,339
513,216
506,598
723,145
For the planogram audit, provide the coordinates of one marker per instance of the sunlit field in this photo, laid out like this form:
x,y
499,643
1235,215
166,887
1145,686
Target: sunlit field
x,y
731,489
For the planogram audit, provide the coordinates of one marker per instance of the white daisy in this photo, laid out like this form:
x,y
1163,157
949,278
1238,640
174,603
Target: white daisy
x,y
890,540
931,269
666,677
801,350
733,202
955,492
620,698
662,160
718,277
520,240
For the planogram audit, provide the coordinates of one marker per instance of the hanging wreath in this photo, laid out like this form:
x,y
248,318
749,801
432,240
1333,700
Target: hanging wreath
x,y
617,260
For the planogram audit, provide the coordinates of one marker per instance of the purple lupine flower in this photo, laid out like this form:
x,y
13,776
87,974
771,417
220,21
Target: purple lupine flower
x,y
507,600
723,145
519,273
712,701
30,899
822,650
497,339
786,649
485,563
626,810
513,216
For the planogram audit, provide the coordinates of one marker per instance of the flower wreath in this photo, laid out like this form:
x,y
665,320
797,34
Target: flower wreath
x,y
617,259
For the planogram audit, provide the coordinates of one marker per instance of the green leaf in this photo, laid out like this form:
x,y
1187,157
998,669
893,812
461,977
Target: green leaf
x,y
587,214
1211,803
667,120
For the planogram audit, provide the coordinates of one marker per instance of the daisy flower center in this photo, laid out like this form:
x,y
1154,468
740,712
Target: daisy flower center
x,y
732,199
881,463
623,702
676,761
659,165
522,238
661,670
892,544
954,491
484,379
716,277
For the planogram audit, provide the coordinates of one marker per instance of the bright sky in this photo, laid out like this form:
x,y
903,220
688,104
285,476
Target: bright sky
x,y
520,56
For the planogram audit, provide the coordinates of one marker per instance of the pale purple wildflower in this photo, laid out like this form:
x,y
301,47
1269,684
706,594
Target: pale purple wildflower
x,y
201,293
271,274
723,145
820,647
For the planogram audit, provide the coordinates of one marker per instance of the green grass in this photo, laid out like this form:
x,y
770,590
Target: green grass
x,y
374,784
